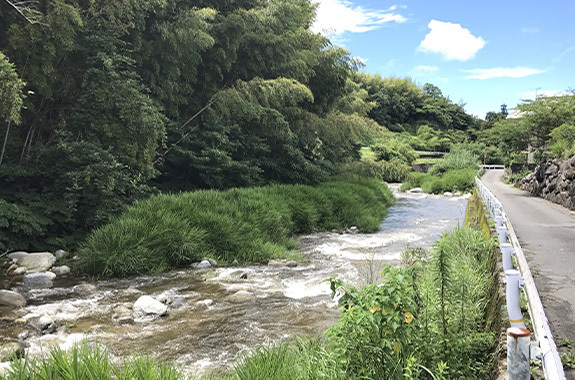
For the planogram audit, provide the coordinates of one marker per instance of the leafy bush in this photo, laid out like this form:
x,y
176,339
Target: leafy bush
x,y
460,157
251,225
430,318
392,171
393,149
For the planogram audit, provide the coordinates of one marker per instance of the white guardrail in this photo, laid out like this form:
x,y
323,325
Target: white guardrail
x,y
544,348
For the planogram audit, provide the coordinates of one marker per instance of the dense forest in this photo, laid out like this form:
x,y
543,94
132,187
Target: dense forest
x,y
104,103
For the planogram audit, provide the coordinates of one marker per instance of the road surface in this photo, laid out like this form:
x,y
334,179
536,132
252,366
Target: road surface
x,y
546,232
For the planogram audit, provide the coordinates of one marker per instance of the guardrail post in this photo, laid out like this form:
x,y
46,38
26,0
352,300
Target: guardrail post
x,y
513,299
502,234
518,353
498,221
506,253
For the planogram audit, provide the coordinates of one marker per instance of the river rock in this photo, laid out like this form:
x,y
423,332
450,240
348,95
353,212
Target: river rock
x,y
38,280
84,289
352,230
61,270
15,256
178,302
10,351
147,308
241,297
61,254
19,271
10,298
24,335
448,194
44,324
204,264
416,190
37,262
291,264
123,315
238,275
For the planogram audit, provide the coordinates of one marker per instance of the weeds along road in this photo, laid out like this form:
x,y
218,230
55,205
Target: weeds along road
x,y
546,232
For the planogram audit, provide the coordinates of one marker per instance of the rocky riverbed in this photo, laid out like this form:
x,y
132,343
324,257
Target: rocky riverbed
x,y
205,317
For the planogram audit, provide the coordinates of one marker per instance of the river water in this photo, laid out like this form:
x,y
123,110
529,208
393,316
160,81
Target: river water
x,y
219,314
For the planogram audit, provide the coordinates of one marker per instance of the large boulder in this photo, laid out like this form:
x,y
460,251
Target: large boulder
x,y
38,280
147,308
37,262
15,256
10,298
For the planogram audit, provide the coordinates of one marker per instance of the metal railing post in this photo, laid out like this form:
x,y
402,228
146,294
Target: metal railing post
x,y
518,353
506,254
513,287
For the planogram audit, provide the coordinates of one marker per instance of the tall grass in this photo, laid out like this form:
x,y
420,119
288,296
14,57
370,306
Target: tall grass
x,y
454,180
249,225
89,362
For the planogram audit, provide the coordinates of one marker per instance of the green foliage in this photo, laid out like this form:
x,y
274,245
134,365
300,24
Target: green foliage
x,y
454,180
306,360
89,362
393,149
250,225
431,318
375,334
460,157
563,141
393,171
11,95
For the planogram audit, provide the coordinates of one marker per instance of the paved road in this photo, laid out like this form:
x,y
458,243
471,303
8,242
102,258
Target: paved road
x,y
546,232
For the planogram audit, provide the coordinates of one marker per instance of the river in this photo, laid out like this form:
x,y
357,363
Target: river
x,y
219,314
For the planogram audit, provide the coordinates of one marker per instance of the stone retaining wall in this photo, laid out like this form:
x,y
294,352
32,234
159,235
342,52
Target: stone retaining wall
x,y
554,181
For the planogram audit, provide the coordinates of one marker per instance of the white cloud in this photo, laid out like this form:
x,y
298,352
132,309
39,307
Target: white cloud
x,y
502,72
565,52
451,40
424,70
335,17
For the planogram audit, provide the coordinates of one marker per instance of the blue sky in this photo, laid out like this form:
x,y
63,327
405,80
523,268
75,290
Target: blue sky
x,y
481,52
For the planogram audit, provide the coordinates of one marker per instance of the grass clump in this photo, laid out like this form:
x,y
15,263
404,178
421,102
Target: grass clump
x,y
388,171
89,362
248,225
455,180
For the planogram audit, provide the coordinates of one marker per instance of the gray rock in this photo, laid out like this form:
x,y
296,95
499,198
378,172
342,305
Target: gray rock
x,y
61,270
60,254
12,268
148,309
38,280
123,315
204,264
241,297
10,298
352,230
11,351
84,289
19,271
291,264
24,335
44,324
448,194
238,275
15,256
416,190
38,261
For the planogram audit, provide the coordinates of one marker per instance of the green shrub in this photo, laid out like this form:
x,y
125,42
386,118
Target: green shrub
x,y
460,157
89,362
388,171
454,180
249,225
391,148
